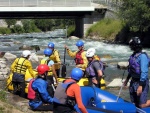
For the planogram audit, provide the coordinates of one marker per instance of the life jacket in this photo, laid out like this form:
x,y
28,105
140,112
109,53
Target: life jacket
x,y
31,92
96,57
134,66
60,95
34,95
53,57
50,72
78,58
20,66
91,71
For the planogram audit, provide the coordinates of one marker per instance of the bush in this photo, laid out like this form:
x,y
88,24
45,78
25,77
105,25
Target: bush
x,y
70,30
106,28
17,29
4,30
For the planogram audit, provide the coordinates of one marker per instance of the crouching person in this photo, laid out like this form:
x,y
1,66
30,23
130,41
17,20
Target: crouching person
x,y
40,100
68,94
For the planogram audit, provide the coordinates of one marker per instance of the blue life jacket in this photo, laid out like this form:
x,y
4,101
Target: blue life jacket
x,y
134,66
91,71
60,95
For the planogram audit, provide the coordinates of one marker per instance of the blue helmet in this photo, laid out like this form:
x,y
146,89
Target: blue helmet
x,y
51,45
48,51
76,74
80,43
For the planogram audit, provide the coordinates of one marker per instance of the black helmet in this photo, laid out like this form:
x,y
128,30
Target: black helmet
x,y
135,43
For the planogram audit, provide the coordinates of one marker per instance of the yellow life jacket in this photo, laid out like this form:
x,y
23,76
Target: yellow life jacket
x,y
96,57
53,57
20,67
44,61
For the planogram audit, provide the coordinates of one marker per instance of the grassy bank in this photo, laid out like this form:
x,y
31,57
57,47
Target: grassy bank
x,y
106,28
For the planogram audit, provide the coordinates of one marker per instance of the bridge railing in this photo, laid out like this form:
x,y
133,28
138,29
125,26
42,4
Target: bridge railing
x,y
45,3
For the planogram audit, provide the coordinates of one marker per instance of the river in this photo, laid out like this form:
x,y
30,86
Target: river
x,y
117,52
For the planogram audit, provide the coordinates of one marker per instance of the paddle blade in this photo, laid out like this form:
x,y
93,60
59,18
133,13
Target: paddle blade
x,y
63,71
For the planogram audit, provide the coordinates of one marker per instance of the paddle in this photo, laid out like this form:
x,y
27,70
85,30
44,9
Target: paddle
x,y
63,69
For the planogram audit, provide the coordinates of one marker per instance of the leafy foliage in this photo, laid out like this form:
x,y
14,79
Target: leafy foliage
x,y
10,22
136,13
105,28
17,29
29,26
4,30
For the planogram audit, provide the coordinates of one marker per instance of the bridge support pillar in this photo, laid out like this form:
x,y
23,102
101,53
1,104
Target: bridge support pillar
x,y
79,27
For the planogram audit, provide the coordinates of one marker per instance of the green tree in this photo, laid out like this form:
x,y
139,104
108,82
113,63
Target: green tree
x,y
10,22
29,26
136,13
44,24
17,29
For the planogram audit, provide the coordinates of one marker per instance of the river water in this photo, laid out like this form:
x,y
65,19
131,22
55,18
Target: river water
x,y
117,52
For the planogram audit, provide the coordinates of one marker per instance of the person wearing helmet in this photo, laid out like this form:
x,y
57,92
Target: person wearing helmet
x,y
68,94
138,72
46,60
51,73
19,68
80,58
94,68
39,98
55,57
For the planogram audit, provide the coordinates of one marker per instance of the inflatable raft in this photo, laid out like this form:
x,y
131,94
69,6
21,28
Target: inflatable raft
x,y
101,101
28,77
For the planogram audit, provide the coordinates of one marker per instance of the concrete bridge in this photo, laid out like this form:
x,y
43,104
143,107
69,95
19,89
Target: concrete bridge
x,y
85,12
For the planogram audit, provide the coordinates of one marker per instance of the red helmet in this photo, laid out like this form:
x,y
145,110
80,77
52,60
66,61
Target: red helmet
x,y
42,68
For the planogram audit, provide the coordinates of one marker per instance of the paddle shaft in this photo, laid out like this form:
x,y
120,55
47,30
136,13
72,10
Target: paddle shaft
x,y
121,87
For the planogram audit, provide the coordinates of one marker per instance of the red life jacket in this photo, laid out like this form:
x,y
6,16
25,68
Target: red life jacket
x,y
78,59
31,92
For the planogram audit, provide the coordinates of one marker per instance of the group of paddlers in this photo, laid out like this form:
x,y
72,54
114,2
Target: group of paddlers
x,y
42,94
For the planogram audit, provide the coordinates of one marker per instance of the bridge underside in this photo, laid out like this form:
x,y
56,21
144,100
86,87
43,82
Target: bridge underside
x,y
45,14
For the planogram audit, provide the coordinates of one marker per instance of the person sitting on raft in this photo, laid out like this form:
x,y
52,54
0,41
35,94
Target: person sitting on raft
x,y
94,68
68,94
39,98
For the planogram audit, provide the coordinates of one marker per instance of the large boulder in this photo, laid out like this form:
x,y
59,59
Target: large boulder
x,y
123,65
9,56
25,47
73,38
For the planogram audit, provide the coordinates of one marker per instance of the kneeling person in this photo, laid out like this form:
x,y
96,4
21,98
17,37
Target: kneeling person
x,y
40,99
68,94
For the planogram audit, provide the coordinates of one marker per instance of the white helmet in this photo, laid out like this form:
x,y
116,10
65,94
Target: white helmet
x,y
90,52
26,53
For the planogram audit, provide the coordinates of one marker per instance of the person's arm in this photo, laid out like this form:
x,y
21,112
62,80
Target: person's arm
x,y
144,62
127,79
78,98
42,89
70,53
54,72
